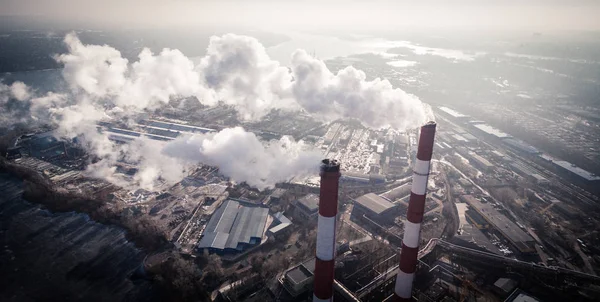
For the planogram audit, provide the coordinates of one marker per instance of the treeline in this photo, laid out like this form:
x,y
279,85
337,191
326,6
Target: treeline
x,y
177,278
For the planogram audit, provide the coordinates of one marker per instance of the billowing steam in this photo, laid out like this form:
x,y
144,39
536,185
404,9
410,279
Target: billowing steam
x,y
242,157
348,94
236,70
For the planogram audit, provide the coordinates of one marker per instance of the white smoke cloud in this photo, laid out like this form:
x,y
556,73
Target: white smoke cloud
x,y
20,105
17,90
154,79
241,156
236,70
348,94
241,73
94,69
20,91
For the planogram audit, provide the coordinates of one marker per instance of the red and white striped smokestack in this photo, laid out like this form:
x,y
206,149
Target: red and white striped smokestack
x,y
325,254
414,215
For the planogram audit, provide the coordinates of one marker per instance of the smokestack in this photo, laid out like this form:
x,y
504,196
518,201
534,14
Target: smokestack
x,y
325,254
414,215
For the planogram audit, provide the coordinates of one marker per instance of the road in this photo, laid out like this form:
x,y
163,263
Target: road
x,y
450,230
463,175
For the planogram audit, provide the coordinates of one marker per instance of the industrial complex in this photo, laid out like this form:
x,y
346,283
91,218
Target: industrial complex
x,y
451,211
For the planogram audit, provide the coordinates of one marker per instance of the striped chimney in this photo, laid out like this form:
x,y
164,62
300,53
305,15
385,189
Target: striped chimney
x,y
414,215
325,254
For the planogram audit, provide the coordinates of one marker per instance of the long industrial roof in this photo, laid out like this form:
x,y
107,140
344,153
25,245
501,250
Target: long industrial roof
x,y
577,170
375,203
452,112
521,146
571,167
492,131
500,222
232,224
482,161
176,127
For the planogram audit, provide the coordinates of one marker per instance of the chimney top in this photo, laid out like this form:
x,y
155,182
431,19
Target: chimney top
x,y
430,124
330,165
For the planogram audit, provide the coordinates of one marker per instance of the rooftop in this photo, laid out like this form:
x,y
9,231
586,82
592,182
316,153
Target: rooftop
x,y
280,227
375,203
460,138
521,146
492,131
577,170
350,174
233,224
301,272
310,202
176,127
521,297
281,218
510,230
278,193
452,112
482,161
506,284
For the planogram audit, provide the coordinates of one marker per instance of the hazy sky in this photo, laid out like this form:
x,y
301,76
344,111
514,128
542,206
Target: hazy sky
x,y
331,14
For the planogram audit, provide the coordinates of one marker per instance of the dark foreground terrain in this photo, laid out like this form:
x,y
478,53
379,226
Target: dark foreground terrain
x,y
48,256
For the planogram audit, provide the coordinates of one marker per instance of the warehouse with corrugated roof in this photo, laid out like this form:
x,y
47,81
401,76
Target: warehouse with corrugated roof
x,y
234,227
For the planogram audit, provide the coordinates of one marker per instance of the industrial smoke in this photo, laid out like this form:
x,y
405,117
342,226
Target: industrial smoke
x,y
237,71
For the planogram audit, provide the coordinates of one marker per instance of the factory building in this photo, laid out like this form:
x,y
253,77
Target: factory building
x,y
234,227
277,195
374,208
491,131
538,179
530,175
167,127
520,146
41,145
481,162
355,177
463,139
499,156
330,135
567,168
280,227
504,286
477,220
299,279
362,178
152,129
508,229
307,208
455,115
459,139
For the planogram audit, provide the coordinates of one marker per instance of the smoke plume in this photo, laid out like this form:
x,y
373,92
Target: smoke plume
x,y
237,71
244,158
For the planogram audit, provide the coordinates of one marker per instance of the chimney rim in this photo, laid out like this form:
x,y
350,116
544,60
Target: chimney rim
x,y
430,124
330,165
